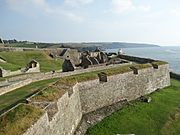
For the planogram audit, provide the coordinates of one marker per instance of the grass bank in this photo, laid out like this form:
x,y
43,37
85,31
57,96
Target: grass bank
x,y
17,60
159,117
12,98
18,120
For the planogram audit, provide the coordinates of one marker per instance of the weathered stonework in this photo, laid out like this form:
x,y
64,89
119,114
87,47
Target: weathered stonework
x,y
92,95
29,78
129,86
32,67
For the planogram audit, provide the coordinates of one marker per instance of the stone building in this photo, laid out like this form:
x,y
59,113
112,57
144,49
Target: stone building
x,y
72,54
93,58
67,65
33,66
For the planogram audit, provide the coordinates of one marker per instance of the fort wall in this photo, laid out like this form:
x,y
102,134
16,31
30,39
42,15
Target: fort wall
x,y
136,59
65,119
30,78
68,116
127,86
92,95
14,86
175,75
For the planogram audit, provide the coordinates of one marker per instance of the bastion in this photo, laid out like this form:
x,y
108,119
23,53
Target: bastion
x,y
64,103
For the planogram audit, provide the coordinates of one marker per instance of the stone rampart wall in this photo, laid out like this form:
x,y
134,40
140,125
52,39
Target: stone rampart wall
x,y
40,127
175,75
136,59
92,95
27,79
6,73
17,49
64,121
69,114
10,49
14,86
129,86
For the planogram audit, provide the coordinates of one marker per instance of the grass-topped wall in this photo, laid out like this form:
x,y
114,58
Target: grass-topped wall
x,y
19,119
12,98
54,93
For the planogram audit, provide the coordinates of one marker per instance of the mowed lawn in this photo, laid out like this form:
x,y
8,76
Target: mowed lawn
x,y
159,117
17,60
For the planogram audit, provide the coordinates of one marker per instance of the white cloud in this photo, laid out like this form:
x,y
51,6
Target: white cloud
x,y
121,6
144,8
78,2
35,7
20,5
176,11
74,17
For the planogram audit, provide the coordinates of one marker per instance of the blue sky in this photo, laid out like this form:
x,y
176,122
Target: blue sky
x,y
142,21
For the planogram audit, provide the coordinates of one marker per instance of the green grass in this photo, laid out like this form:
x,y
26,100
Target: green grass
x,y
49,94
12,98
17,60
159,117
141,66
19,95
94,75
70,80
19,119
158,62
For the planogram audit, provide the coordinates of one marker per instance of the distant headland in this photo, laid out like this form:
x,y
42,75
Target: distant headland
x,y
81,46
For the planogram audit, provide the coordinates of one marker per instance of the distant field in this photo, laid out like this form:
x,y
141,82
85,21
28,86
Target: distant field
x,y
17,60
159,117
32,45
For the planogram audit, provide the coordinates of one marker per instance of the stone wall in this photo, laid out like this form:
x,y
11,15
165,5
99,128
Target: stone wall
x,y
10,49
5,73
64,121
129,86
136,59
14,86
69,114
175,75
29,78
92,95
40,127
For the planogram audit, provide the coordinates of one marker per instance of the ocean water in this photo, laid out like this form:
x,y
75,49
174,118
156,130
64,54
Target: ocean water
x,y
169,54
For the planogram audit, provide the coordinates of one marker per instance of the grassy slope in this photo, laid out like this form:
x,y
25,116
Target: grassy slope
x,y
161,116
16,60
19,120
12,98
49,94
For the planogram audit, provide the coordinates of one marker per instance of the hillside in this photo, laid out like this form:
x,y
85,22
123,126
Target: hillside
x,y
17,60
126,45
81,46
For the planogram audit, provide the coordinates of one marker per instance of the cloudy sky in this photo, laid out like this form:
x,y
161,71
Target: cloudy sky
x,y
142,21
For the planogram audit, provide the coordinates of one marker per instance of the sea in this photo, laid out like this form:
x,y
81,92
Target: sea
x,y
171,54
